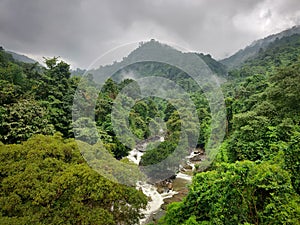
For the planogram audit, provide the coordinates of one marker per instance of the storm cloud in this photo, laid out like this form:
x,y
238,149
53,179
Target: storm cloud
x,y
80,31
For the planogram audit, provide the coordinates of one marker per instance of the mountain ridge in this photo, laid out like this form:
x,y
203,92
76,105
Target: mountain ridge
x,y
160,50
220,67
21,57
250,51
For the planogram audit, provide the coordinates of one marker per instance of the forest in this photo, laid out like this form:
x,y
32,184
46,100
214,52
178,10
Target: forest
x,y
254,178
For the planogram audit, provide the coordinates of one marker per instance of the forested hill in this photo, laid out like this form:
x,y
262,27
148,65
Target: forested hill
x,y
251,51
215,66
156,48
281,52
255,179
21,58
43,177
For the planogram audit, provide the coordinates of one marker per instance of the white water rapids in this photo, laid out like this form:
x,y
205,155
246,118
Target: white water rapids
x,y
156,199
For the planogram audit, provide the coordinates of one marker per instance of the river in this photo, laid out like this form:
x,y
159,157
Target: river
x,y
163,195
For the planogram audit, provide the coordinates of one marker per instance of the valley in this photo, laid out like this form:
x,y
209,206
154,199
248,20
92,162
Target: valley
x,y
140,141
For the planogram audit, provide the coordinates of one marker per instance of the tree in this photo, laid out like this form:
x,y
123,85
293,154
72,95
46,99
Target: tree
x,y
285,90
240,193
57,91
46,181
23,119
292,159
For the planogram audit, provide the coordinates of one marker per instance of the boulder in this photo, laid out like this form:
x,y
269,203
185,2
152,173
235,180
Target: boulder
x,y
170,186
187,167
199,151
160,190
198,157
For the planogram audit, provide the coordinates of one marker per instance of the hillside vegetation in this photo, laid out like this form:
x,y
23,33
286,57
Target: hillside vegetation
x,y
44,178
254,178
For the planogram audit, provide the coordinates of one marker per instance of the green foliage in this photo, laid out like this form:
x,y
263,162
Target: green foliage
x,y
36,100
156,155
85,130
46,181
292,159
101,159
262,102
276,49
9,93
12,73
214,65
5,58
285,90
265,111
23,119
238,193
59,95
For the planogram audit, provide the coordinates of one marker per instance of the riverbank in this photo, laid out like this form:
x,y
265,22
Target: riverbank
x,y
170,190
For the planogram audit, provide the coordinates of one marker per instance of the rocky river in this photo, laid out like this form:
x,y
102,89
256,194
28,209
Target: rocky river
x,y
170,190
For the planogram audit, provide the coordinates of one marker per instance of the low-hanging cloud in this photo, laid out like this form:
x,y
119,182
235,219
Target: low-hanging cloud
x,y
80,31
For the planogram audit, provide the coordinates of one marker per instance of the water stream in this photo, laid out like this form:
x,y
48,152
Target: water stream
x,y
157,197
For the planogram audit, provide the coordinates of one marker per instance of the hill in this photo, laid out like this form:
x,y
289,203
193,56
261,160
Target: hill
x,y
237,59
255,177
21,58
163,51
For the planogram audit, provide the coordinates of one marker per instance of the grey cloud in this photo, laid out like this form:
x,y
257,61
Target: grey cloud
x,y
80,31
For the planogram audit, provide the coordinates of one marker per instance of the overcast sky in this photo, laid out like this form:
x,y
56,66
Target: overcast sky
x,y
81,31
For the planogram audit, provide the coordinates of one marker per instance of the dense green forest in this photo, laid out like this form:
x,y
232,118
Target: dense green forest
x,y
253,180
44,178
